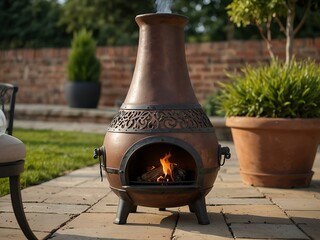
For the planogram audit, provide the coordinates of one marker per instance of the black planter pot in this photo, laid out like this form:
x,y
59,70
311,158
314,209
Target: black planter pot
x,y
82,94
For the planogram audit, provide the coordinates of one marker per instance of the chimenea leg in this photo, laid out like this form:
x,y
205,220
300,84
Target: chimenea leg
x,y
199,208
191,208
124,208
134,208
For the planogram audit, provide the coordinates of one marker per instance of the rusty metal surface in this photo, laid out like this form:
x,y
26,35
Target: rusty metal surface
x,y
161,74
161,107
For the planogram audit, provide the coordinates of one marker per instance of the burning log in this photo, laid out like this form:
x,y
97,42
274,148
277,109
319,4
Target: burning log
x,y
167,172
156,174
151,175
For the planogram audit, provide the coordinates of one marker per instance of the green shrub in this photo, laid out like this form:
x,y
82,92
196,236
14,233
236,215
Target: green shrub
x,y
211,106
274,90
83,65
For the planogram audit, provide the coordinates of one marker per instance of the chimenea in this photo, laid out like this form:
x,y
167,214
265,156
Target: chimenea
x,y
161,150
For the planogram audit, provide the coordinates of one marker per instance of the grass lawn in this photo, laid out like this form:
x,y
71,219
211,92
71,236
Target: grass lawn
x,y
53,153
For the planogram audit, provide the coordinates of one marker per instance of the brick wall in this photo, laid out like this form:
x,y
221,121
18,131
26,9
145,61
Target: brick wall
x,y
40,74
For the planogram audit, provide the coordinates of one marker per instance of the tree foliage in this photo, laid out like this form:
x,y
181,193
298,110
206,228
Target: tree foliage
x,y
264,13
50,23
112,22
31,24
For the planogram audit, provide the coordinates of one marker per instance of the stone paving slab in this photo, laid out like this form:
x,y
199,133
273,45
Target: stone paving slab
x,y
238,201
11,233
41,222
237,192
139,226
87,196
107,204
48,208
308,221
186,228
255,214
310,204
267,231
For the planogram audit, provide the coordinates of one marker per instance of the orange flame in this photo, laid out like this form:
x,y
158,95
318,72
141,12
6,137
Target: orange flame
x,y
167,167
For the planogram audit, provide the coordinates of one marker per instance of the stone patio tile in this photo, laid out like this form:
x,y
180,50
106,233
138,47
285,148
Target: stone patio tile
x,y
232,162
229,168
139,226
218,180
16,234
316,175
76,177
222,184
255,214
88,172
238,201
308,221
5,205
315,188
267,231
95,183
298,203
55,208
107,204
237,192
304,216
67,181
5,199
39,193
112,198
188,228
87,196
43,222
230,177
311,229
290,193
233,169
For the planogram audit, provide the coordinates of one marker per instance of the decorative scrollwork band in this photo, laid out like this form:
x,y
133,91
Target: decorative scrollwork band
x,y
165,120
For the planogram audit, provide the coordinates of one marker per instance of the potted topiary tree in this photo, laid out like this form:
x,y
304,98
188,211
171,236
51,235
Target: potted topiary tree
x,y
274,115
273,110
82,90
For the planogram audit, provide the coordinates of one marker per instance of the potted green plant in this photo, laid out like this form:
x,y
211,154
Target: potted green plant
x,y
274,115
82,90
273,110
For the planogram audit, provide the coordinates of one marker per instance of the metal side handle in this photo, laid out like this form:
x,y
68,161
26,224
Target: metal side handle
x,y
225,152
98,153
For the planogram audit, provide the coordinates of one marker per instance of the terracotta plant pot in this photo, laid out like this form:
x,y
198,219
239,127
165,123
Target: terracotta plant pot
x,y
275,152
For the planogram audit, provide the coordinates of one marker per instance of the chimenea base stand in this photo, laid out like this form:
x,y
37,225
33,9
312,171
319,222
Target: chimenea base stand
x,y
198,207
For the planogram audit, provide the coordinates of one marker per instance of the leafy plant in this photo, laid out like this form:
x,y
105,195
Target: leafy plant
x,y
262,13
211,106
275,90
83,65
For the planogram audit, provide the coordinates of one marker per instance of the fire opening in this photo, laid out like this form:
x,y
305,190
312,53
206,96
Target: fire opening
x,y
167,172
161,164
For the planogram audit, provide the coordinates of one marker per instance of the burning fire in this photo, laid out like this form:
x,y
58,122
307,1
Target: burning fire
x,y
167,172
167,168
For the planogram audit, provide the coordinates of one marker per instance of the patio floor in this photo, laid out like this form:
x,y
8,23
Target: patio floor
x,y
80,206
